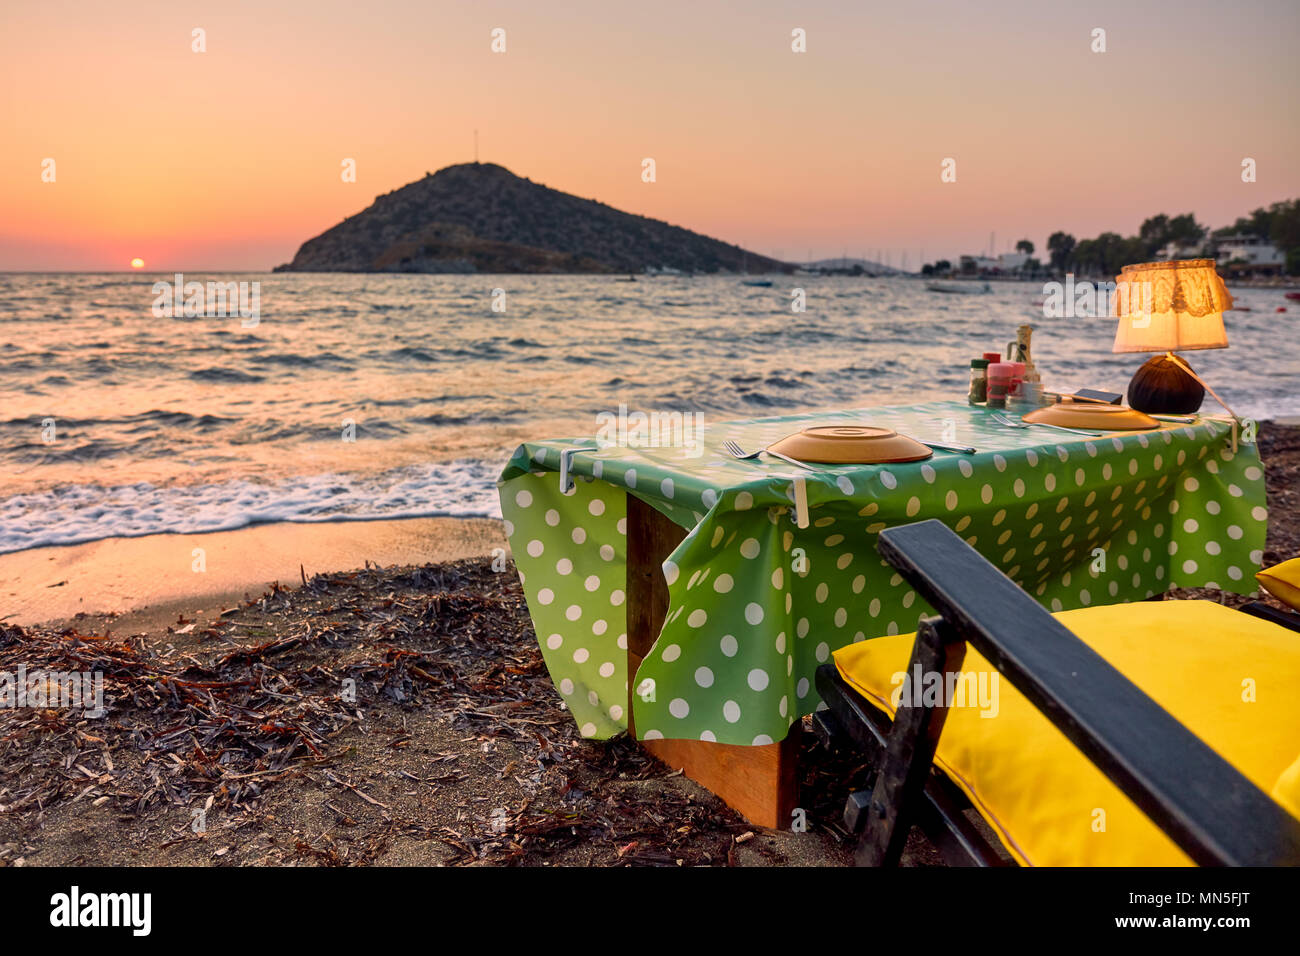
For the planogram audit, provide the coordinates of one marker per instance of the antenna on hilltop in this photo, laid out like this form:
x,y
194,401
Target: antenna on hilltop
x,y
476,147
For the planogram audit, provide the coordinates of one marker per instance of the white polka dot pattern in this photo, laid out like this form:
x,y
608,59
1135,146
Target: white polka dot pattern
x,y
748,624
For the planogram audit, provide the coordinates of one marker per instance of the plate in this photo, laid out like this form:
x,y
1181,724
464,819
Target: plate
x,y
1098,417
850,445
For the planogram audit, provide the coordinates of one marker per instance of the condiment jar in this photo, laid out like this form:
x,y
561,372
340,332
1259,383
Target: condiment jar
x,y
1001,378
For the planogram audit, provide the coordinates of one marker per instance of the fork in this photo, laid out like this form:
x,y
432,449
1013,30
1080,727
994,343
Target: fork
x,y
735,451
1012,423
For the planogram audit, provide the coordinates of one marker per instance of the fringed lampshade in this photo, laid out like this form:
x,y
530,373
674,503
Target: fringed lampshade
x,y
1186,299
1164,306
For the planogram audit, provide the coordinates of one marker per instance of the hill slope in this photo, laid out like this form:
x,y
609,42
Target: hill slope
x,y
480,217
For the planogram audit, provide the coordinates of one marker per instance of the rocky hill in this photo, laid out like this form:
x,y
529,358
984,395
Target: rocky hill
x,y
480,217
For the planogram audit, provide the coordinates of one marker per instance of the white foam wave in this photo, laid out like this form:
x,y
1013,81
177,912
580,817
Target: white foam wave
x,y
78,513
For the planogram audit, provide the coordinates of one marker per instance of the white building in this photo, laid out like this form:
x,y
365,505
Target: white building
x,y
1178,250
1005,264
1249,253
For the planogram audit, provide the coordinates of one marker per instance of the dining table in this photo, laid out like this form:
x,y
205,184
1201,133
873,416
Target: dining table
x,y
687,596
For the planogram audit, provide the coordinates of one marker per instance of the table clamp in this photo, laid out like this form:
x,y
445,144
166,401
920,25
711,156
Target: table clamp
x,y
799,513
566,462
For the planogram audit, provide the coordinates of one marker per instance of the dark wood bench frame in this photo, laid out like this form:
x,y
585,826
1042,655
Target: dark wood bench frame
x,y
1204,804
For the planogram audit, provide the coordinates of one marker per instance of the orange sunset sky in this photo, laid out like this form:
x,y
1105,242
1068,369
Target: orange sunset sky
x,y
229,159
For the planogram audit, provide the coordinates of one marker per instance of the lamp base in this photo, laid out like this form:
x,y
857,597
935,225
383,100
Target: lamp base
x,y
1162,386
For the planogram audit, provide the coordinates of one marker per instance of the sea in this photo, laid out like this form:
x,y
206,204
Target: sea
x,y
359,397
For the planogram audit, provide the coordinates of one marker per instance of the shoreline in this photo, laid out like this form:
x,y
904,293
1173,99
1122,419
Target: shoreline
x,y
148,581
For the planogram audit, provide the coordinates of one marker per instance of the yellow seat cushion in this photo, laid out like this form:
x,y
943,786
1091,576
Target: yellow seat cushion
x,y
1230,678
1287,789
1282,581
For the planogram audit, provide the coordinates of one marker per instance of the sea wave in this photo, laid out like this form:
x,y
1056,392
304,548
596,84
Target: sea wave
x,y
363,396
75,514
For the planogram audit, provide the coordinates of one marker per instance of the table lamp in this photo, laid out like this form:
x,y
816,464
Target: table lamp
x,y
1163,307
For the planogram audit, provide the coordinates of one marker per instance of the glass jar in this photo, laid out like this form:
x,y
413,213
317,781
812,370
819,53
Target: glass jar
x,y
979,381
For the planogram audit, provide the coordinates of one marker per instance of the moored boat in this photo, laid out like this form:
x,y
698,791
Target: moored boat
x,y
962,288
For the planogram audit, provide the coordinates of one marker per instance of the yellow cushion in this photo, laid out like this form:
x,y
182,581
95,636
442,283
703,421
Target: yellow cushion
x,y
1287,789
1283,582
1230,678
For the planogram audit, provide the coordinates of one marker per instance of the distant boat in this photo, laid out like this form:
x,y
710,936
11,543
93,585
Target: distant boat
x,y
744,270
963,288
1293,295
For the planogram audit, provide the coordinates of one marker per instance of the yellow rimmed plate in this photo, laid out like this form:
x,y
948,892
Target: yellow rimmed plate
x,y
1092,415
851,445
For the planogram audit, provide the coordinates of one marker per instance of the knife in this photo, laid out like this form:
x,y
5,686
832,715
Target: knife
x,y
799,464
959,449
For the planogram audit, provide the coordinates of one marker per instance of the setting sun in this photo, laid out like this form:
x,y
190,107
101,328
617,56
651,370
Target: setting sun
x,y
137,263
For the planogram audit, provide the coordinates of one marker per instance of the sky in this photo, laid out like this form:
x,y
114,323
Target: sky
x,y
229,159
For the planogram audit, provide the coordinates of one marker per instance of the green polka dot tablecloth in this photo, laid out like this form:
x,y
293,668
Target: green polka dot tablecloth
x,y
757,603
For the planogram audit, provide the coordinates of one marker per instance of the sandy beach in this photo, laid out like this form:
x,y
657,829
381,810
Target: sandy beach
x,y
152,579
228,741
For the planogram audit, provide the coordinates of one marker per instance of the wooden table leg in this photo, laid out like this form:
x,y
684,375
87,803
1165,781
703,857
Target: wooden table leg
x,y
757,782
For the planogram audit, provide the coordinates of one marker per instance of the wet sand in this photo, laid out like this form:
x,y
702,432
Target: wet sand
x,y
153,579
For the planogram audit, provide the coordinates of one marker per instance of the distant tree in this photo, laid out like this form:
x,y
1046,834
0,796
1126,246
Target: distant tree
x,y
1159,231
927,270
1128,251
942,267
1185,230
1025,246
1279,224
1154,233
1259,224
1085,257
1110,252
1033,266
1284,224
1060,248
